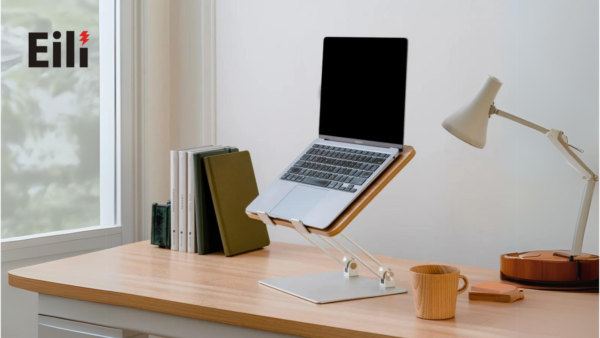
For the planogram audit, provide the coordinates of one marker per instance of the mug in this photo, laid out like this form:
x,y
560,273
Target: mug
x,y
435,290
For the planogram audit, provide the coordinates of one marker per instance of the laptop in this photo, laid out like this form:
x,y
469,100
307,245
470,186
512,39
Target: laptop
x,y
361,131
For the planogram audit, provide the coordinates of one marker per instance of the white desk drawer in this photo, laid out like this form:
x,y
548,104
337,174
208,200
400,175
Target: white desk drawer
x,y
52,327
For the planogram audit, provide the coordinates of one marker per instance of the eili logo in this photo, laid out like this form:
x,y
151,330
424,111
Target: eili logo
x,y
34,50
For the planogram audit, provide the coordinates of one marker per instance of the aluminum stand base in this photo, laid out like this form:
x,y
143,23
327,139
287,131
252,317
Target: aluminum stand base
x,y
330,287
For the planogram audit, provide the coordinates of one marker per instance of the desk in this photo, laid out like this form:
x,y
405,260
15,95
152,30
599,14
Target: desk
x,y
141,288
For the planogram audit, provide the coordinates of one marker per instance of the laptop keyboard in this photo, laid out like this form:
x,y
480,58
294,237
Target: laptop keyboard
x,y
335,167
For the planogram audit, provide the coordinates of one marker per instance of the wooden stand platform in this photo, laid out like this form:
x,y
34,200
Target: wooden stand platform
x,y
361,202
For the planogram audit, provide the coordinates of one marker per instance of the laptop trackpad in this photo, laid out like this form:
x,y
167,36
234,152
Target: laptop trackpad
x,y
298,202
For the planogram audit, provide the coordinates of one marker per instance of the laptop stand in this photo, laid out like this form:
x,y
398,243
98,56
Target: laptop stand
x,y
346,284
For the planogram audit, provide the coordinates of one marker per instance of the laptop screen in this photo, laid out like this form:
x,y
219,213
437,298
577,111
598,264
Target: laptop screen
x,y
363,89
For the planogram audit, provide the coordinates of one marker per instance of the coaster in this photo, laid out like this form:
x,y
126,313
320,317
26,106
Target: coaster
x,y
495,297
491,287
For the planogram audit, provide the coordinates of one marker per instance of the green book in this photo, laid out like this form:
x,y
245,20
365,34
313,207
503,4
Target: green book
x,y
233,187
208,238
161,225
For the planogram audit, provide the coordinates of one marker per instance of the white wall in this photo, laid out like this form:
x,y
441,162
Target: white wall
x,y
156,103
178,100
453,203
191,71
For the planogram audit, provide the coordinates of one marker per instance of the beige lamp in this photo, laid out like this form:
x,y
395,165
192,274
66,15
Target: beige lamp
x,y
470,124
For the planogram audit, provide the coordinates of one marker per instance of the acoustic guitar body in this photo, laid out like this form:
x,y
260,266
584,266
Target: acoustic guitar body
x,y
549,267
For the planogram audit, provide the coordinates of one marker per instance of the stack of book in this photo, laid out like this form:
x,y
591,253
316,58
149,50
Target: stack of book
x,y
203,222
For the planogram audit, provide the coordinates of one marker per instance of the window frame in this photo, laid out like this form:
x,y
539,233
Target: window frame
x,y
116,227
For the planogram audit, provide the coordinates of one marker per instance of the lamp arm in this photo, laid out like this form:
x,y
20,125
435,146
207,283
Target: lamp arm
x,y
560,141
517,119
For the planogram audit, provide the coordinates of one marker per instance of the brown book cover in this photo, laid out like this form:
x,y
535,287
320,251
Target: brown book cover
x,y
233,186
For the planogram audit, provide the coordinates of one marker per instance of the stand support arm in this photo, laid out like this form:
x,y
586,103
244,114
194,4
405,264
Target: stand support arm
x,y
385,275
301,229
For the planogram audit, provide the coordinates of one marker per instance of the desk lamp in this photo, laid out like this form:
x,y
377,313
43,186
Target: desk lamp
x,y
551,266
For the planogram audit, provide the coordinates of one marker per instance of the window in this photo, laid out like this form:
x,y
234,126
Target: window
x,y
59,164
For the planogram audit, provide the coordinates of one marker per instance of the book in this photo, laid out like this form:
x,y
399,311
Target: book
x,y
191,194
182,187
160,233
208,238
182,212
184,216
174,199
191,215
233,187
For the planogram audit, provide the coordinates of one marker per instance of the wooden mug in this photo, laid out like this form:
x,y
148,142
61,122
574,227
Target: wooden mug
x,y
435,290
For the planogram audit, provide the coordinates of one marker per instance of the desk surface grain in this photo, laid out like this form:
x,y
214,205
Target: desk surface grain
x,y
226,290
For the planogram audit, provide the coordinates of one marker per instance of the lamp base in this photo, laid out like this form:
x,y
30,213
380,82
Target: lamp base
x,y
550,267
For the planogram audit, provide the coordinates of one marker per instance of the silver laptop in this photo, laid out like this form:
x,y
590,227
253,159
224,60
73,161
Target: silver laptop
x,y
361,131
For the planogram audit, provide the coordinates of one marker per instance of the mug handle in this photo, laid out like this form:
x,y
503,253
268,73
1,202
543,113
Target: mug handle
x,y
466,282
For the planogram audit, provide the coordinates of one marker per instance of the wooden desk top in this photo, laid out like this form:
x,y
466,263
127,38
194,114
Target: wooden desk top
x,y
226,290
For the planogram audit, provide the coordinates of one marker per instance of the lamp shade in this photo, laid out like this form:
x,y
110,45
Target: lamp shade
x,y
470,122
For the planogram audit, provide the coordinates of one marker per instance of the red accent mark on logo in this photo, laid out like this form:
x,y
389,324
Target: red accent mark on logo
x,y
84,37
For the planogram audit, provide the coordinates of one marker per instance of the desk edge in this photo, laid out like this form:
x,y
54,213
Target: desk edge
x,y
184,310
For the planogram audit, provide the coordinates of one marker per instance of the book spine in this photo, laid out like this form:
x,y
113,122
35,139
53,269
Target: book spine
x,y
182,208
198,206
191,206
174,199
